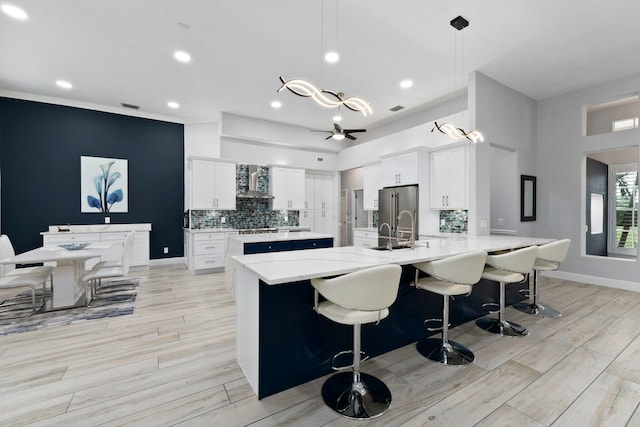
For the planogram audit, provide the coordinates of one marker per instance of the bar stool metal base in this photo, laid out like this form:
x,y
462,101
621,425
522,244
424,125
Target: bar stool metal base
x,y
363,400
537,309
453,354
502,327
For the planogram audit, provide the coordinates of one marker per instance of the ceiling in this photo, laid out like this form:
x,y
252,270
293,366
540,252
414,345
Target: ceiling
x,y
121,51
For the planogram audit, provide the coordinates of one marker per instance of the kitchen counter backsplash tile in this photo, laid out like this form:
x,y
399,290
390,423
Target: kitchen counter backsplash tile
x,y
453,221
249,213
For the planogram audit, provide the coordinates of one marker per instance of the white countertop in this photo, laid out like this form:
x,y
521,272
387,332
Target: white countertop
x,y
97,228
211,230
281,236
282,267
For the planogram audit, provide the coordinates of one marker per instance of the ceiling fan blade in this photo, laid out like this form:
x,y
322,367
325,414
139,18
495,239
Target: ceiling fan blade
x,y
353,138
354,130
329,137
317,130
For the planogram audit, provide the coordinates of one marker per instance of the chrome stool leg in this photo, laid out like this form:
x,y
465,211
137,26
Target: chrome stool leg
x,y
535,307
501,326
355,394
445,351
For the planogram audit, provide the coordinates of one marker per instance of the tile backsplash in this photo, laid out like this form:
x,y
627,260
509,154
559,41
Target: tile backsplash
x,y
453,221
249,213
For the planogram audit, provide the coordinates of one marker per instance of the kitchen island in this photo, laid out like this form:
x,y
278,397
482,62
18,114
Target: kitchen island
x,y
281,342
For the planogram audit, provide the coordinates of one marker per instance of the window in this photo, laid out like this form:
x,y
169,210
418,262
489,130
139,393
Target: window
x,y
624,124
624,191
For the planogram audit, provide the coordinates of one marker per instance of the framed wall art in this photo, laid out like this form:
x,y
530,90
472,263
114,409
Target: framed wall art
x,y
103,185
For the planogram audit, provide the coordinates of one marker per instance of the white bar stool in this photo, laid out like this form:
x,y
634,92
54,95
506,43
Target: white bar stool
x,y
450,276
354,299
549,258
507,268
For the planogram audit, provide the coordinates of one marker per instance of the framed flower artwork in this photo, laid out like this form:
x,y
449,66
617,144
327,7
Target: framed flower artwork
x,y
103,185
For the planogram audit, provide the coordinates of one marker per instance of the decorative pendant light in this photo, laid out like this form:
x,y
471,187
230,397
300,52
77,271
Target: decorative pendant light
x,y
459,23
324,97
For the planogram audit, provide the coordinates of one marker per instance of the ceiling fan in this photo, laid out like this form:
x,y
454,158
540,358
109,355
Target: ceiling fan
x,y
338,133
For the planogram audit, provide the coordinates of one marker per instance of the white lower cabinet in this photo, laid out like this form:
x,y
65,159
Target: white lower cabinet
x,y
365,238
141,253
206,251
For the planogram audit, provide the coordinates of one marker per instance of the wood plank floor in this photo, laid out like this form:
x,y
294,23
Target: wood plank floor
x,y
172,363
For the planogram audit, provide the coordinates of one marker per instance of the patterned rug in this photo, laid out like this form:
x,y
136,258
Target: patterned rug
x,y
116,298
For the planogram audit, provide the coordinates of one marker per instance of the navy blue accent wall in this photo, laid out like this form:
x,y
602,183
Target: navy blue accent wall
x,y
40,149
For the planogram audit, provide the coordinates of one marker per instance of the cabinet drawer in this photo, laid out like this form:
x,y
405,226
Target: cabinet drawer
x,y
208,247
71,238
365,242
264,247
208,236
208,261
365,234
311,244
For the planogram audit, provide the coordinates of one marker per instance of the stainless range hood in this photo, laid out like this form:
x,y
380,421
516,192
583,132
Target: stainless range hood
x,y
253,192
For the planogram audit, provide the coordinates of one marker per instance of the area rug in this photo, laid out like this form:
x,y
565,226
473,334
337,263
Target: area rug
x,y
118,298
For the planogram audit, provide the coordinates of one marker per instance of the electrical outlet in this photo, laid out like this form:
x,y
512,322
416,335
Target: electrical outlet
x,y
107,220
223,220
500,221
166,250
483,223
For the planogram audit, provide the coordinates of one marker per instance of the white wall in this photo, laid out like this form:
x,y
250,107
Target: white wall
x,y
561,189
202,139
600,121
507,119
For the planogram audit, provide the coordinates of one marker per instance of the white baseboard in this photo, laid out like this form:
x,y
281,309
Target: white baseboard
x,y
166,261
594,280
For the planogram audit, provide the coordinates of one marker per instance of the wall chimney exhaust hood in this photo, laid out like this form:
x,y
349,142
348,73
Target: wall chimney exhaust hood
x,y
253,192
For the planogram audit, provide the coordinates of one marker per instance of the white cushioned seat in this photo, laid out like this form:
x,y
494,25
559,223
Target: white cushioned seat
x,y
509,267
357,298
548,259
450,276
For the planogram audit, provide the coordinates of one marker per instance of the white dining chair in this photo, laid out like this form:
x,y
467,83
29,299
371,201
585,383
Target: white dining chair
x,y
109,269
9,271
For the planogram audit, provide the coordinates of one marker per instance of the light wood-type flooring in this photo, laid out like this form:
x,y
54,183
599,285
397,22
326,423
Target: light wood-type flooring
x,y
172,363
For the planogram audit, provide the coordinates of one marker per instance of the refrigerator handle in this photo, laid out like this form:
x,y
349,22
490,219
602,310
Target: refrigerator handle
x,y
395,214
392,206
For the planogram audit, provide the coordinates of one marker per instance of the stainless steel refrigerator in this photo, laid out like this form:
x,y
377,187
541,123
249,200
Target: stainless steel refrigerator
x,y
392,201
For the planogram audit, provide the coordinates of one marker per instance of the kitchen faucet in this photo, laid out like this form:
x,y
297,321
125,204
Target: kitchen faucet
x,y
389,245
400,231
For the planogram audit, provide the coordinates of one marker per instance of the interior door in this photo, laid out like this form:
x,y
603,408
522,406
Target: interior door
x,y
597,198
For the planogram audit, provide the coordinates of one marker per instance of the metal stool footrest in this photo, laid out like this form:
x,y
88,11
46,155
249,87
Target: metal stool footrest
x,y
363,356
491,307
525,292
433,329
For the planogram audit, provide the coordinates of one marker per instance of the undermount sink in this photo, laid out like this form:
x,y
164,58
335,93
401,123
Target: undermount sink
x,y
386,248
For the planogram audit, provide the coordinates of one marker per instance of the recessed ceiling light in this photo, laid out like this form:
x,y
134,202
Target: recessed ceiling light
x,y
406,84
332,57
173,104
182,56
14,12
64,84
276,104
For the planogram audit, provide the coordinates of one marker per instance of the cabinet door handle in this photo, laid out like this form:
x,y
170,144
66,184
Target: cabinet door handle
x,y
210,247
210,262
375,203
447,200
306,205
443,201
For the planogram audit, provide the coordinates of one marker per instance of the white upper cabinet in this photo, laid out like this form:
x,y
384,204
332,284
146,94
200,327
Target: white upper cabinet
x,y
212,184
400,170
309,192
287,188
371,184
323,192
448,179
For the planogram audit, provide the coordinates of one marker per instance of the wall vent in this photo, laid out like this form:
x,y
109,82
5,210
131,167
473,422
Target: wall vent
x,y
397,108
133,107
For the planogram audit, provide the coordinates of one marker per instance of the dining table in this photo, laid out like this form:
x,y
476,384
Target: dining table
x,y
68,289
